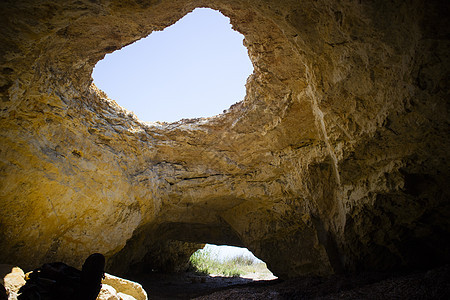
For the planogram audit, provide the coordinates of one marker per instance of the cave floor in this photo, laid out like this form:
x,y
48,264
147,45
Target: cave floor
x,y
432,284
190,285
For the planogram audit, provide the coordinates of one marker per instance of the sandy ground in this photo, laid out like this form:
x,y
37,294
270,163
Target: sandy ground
x,y
432,284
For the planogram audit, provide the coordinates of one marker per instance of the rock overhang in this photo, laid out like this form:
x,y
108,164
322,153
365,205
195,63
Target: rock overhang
x,y
309,171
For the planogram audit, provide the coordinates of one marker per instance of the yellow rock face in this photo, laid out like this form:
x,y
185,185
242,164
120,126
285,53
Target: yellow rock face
x,y
336,160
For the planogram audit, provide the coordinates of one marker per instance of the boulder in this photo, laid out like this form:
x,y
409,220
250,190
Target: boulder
x,y
12,278
126,289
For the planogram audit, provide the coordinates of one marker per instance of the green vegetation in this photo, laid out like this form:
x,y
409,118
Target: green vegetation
x,y
205,262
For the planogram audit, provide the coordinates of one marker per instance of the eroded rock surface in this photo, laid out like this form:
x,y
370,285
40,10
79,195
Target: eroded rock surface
x,y
12,278
336,160
125,288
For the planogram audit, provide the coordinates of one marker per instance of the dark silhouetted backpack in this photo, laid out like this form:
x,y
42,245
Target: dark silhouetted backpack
x,y
59,281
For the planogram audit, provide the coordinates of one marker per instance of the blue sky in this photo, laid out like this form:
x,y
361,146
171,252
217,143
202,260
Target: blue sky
x,y
195,68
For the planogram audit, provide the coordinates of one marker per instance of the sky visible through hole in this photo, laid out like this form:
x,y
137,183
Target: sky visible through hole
x,y
197,67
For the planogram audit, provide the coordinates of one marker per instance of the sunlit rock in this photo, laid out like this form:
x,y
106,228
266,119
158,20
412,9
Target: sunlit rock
x,y
108,293
337,159
12,278
124,288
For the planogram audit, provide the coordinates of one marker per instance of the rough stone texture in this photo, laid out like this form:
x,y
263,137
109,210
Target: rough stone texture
x,y
107,293
159,256
336,160
125,288
12,278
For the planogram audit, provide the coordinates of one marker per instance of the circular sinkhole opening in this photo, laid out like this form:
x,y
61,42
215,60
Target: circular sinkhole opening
x,y
229,261
195,68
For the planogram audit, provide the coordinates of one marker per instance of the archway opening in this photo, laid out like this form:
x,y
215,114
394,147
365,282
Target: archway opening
x,y
197,67
229,261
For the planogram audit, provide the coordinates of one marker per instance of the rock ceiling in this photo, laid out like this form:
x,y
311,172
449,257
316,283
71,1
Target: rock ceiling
x,y
336,160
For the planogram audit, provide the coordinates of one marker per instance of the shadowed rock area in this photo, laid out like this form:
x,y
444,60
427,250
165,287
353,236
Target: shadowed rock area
x,y
335,161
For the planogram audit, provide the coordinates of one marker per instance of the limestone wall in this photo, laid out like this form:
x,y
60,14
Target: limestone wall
x,y
336,160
